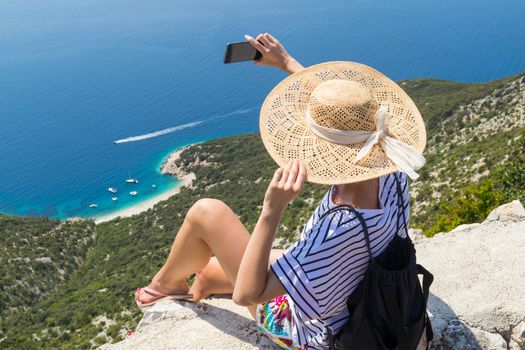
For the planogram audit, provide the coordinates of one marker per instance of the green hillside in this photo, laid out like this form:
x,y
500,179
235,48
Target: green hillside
x,y
37,254
475,158
473,130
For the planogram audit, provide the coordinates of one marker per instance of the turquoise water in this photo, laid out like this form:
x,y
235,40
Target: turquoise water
x,y
74,77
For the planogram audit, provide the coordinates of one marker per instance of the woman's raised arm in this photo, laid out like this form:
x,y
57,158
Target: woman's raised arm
x,y
273,53
256,283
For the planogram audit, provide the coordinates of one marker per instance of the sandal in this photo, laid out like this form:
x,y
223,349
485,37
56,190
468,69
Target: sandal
x,y
159,297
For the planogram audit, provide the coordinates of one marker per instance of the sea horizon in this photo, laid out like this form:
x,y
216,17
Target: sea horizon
x,y
94,94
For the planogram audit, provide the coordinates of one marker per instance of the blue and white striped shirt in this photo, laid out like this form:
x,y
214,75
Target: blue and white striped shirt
x,y
323,268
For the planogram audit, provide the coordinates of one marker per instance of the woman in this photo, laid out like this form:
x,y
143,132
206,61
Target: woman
x,y
332,122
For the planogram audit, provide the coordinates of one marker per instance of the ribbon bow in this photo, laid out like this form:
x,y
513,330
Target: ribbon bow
x,y
405,157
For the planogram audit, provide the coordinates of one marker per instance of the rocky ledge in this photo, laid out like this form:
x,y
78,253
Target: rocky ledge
x,y
211,324
476,302
170,167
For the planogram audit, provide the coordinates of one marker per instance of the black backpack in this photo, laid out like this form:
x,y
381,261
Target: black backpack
x,y
388,307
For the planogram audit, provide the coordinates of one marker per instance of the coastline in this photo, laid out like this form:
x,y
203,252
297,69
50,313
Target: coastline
x,y
168,167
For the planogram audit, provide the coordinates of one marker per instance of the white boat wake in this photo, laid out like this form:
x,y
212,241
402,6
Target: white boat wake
x,y
179,127
159,133
240,111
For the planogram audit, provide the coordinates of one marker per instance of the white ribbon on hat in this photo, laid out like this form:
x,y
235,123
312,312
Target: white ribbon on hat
x,y
405,157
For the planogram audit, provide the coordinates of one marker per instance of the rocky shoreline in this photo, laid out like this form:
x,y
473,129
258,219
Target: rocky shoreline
x,y
170,167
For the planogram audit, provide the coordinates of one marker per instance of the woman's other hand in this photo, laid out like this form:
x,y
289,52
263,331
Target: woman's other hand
x,y
286,184
273,53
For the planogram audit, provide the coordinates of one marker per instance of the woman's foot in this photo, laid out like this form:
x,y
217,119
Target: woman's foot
x,y
210,281
157,290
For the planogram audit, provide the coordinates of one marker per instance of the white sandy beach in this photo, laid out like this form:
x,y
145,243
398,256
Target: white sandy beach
x,y
168,167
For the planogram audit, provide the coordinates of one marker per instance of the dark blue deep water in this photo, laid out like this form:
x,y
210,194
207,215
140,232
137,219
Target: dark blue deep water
x,y
77,75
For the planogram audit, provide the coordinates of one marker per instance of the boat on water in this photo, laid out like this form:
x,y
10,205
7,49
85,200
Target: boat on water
x,y
93,205
154,186
114,199
132,181
133,193
112,189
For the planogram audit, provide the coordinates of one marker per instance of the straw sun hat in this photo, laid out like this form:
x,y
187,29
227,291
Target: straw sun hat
x,y
346,121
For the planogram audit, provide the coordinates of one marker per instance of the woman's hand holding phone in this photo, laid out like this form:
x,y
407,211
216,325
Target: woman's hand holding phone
x,y
273,53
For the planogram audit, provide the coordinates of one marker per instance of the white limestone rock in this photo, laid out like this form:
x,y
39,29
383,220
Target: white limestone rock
x,y
416,234
210,324
489,341
44,260
512,211
465,227
517,337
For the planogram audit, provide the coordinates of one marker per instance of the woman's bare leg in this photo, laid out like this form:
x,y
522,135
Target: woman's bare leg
x,y
210,225
213,280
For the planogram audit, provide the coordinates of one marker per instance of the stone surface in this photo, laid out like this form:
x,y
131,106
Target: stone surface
x,y
465,227
479,282
44,260
458,336
211,324
489,341
416,234
479,274
512,211
517,337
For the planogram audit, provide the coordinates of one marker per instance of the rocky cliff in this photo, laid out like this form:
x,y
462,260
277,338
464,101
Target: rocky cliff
x,y
476,299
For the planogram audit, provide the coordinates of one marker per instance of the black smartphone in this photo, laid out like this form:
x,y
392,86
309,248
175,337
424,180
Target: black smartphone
x,y
239,52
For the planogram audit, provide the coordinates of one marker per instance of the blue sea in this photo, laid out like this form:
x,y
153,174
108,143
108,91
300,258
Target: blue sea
x,y
77,75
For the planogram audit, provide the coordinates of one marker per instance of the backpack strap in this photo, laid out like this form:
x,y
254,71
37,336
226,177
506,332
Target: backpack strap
x,y
359,217
331,345
400,206
428,278
365,232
